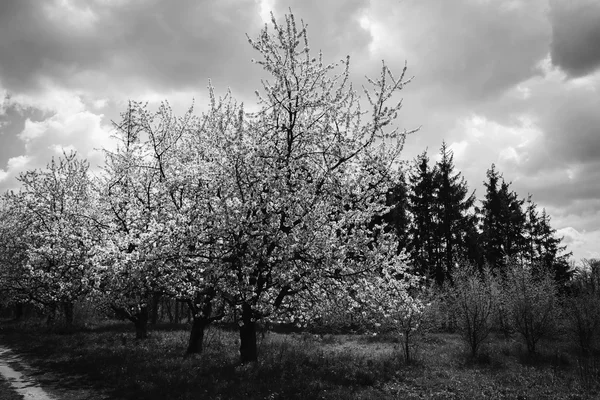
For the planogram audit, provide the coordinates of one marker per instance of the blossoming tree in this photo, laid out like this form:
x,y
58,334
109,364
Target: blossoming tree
x,y
300,182
53,214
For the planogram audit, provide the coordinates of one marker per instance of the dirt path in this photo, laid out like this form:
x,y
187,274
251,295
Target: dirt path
x,y
22,384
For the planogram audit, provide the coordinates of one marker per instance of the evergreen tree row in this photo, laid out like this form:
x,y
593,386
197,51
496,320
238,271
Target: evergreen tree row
x,y
438,222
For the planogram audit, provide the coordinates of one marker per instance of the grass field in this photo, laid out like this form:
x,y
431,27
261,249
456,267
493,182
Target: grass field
x,y
108,361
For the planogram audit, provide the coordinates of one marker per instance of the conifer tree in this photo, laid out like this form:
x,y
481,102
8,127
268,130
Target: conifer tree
x,y
454,218
502,221
551,255
530,250
422,244
397,218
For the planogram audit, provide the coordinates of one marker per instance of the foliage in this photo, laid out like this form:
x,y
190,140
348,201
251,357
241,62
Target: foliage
x,y
301,180
50,233
455,217
288,214
443,222
502,221
397,219
396,302
157,187
423,246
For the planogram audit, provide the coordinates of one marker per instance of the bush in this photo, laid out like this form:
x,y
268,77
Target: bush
x,y
411,326
583,307
532,303
473,299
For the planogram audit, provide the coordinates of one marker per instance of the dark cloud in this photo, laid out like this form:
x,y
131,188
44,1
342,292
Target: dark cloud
x,y
576,36
573,131
126,45
479,82
576,188
569,118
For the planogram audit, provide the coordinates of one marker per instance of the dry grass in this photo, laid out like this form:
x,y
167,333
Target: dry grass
x,y
305,366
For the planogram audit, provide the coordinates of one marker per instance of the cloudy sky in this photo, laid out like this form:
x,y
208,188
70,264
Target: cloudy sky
x,y
510,82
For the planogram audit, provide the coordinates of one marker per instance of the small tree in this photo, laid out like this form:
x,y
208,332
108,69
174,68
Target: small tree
x,y
394,301
473,298
532,302
410,324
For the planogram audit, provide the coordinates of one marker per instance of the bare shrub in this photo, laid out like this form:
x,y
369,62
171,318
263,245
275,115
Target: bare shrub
x,y
473,298
583,306
532,303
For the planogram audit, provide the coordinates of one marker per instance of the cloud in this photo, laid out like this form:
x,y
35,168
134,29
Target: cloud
x,y
119,48
583,243
571,236
333,27
575,36
510,82
466,49
67,124
14,166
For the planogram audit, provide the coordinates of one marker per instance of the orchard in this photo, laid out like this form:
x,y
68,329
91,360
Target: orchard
x,y
245,216
298,216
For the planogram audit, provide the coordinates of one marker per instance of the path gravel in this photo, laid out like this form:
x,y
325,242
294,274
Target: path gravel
x,y
22,384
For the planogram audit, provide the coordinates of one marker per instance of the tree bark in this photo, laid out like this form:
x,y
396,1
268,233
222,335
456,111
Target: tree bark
x,y
197,336
202,313
18,311
51,315
141,324
168,306
68,310
155,304
248,348
407,346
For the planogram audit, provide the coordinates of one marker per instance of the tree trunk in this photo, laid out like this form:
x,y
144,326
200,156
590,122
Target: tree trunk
x,y
531,345
202,312
176,311
51,315
18,311
68,310
248,349
407,347
141,324
162,310
168,306
155,304
439,274
197,336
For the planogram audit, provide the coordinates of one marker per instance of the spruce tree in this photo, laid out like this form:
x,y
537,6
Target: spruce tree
x,y
502,221
531,250
551,255
513,239
422,233
454,217
397,218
